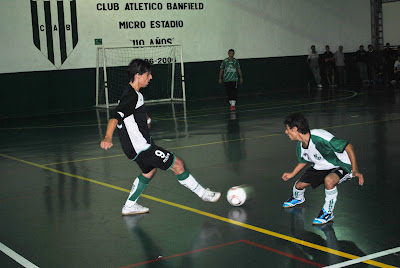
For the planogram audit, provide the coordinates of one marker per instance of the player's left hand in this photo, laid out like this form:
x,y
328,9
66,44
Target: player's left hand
x,y
359,176
241,80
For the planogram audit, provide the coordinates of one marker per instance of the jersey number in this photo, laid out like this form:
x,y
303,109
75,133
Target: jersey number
x,y
159,154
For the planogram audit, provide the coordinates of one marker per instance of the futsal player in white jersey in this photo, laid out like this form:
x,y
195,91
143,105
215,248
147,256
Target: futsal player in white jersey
x,y
333,162
132,123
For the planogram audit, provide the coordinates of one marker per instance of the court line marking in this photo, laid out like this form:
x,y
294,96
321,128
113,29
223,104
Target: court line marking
x,y
275,102
226,141
210,215
16,257
194,116
275,107
228,244
174,148
282,253
368,257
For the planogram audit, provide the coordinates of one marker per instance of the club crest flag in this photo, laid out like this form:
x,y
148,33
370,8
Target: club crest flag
x,y
54,28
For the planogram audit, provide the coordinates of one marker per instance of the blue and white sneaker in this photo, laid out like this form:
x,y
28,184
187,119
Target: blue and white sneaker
x,y
291,202
323,217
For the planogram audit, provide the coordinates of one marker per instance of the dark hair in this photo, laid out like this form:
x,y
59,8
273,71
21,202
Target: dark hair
x,y
231,50
297,120
312,46
326,46
138,66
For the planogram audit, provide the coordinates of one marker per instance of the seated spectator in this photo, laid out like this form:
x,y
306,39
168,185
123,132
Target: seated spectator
x,y
340,66
329,66
313,62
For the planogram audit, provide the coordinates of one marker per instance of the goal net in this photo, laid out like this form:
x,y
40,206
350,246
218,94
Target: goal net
x,y
167,69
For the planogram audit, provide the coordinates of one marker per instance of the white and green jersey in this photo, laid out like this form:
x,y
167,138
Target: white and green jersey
x,y
325,151
230,69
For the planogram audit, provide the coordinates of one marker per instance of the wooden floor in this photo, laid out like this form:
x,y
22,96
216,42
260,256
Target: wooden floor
x,y
61,195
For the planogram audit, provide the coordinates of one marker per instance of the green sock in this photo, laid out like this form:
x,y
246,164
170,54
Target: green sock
x,y
138,187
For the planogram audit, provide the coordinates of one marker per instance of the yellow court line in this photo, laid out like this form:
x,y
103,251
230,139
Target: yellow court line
x,y
200,212
218,142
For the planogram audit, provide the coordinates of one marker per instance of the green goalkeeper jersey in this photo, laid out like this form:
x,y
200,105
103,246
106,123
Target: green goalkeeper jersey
x,y
325,151
230,69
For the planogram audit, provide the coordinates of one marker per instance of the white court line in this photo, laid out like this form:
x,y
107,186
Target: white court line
x,y
365,258
16,257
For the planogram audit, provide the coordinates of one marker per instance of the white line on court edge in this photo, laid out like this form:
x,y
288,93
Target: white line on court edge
x,y
365,258
16,257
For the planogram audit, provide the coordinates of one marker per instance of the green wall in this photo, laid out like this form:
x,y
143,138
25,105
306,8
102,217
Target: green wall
x,y
35,93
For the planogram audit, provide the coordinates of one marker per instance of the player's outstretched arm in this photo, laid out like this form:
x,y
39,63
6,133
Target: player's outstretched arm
x,y
288,176
350,152
107,142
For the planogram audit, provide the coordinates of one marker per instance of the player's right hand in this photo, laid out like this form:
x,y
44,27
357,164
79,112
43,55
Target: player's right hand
x,y
287,176
220,81
106,144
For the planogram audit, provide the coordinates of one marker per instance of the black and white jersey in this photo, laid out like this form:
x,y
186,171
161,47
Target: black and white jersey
x,y
132,123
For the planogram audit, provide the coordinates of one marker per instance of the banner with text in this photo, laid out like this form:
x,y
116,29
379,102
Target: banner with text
x,y
63,34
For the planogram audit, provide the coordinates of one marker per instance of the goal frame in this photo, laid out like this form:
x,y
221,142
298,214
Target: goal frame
x,y
102,64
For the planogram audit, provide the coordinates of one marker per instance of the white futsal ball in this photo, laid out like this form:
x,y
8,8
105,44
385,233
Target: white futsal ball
x,y
236,196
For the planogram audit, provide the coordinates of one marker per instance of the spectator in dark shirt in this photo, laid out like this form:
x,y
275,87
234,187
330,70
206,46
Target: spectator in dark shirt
x,y
329,66
372,64
361,59
388,58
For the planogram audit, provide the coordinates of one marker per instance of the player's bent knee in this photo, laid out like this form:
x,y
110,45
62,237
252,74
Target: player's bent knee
x,y
178,166
150,174
301,185
331,181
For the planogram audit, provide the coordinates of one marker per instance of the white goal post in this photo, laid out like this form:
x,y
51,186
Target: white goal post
x,y
168,83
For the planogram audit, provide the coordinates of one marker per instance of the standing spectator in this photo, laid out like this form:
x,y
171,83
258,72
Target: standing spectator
x,y
397,69
372,64
230,69
313,62
340,66
361,59
329,64
388,55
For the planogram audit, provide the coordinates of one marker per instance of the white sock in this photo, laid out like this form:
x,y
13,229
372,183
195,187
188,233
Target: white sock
x,y
191,183
230,102
233,103
330,199
298,194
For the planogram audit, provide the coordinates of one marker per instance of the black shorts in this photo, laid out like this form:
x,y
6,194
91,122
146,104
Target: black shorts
x,y
155,157
317,177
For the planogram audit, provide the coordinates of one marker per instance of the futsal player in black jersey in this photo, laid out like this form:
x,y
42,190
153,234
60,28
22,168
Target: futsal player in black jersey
x,y
131,121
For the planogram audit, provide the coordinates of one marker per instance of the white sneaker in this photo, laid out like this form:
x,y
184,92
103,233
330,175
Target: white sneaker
x,y
211,196
319,85
135,209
